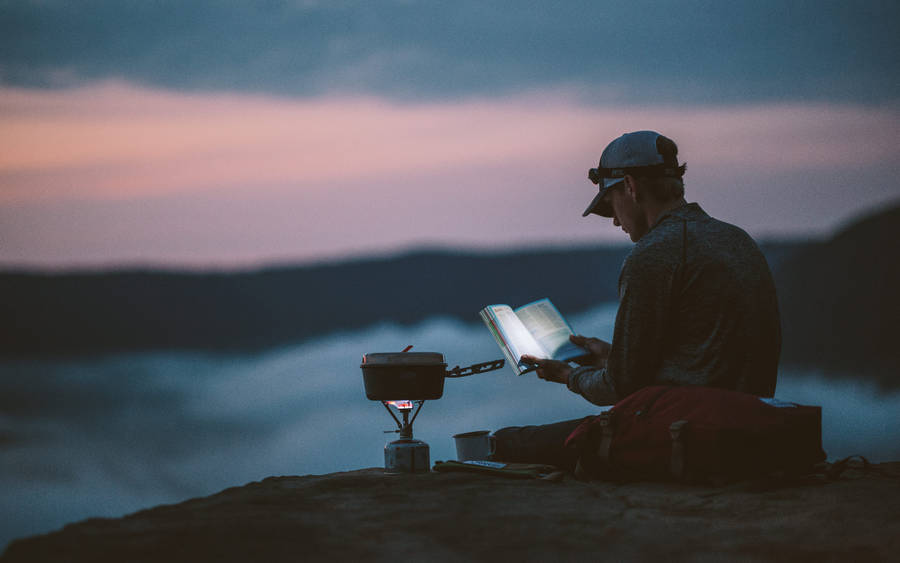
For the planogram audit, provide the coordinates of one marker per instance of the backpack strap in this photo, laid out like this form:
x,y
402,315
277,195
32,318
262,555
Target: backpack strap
x,y
606,436
678,430
593,454
834,470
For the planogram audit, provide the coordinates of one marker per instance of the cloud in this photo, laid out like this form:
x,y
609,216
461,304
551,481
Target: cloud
x,y
642,51
164,427
115,172
116,140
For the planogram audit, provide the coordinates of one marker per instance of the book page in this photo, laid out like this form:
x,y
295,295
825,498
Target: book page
x,y
490,321
550,329
517,337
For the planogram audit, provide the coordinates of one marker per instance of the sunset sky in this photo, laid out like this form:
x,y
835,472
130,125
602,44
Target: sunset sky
x,y
237,134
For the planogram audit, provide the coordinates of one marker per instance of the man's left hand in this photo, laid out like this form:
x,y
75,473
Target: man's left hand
x,y
550,370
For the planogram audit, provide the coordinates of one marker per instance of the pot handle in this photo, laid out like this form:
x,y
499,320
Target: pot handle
x,y
475,368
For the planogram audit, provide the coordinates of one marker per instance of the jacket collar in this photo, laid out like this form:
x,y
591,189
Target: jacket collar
x,y
686,212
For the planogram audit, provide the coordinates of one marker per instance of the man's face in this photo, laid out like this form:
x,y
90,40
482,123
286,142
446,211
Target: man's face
x,y
627,213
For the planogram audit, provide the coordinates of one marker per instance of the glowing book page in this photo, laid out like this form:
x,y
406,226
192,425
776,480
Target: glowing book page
x,y
490,320
536,329
545,323
516,336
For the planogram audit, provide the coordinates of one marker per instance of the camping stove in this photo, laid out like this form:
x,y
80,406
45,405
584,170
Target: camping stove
x,y
417,376
406,454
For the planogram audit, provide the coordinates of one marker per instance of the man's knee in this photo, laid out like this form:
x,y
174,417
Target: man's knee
x,y
536,444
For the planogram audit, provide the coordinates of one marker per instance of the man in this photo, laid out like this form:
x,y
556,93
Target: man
x,y
697,303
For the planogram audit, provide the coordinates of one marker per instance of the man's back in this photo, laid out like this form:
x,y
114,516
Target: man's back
x,y
698,307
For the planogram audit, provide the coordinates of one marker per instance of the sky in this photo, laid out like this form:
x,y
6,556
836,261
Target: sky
x,y
209,134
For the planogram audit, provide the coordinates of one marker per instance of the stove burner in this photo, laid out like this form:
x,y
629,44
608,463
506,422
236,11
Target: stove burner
x,y
405,455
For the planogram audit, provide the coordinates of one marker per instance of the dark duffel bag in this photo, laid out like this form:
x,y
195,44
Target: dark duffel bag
x,y
698,434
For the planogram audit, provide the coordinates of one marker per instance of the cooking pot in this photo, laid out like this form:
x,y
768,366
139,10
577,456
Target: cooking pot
x,y
413,376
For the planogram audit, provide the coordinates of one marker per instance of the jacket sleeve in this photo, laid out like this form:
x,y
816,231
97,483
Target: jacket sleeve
x,y
593,384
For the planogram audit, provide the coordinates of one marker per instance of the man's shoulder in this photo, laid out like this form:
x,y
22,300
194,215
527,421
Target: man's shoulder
x,y
721,233
665,236
698,222
662,246
657,249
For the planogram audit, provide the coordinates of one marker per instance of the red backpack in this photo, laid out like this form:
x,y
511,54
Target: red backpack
x,y
698,434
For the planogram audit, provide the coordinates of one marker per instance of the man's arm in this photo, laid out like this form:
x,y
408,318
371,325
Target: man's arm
x,y
590,381
633,359
598,350
594,384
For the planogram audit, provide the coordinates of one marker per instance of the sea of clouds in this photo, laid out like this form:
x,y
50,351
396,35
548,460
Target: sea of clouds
x,y
108,436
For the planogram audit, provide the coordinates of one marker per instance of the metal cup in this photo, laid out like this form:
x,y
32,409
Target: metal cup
x,y
475,446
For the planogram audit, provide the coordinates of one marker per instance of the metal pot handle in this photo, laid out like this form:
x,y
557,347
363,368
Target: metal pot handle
x,y
475,368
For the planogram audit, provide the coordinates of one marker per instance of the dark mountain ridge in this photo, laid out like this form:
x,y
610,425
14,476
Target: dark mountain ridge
x,y
99,312
89,313
839,302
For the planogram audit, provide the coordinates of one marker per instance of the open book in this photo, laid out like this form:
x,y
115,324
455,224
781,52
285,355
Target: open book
x,y
537,329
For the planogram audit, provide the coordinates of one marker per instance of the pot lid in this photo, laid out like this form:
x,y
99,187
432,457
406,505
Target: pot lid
x,y
403,359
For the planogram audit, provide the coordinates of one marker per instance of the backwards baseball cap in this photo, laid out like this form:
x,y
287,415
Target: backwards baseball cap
x,y
641,153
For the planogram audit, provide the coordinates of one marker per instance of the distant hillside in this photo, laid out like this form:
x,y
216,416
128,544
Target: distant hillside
x,y
89,313
86,313
840,300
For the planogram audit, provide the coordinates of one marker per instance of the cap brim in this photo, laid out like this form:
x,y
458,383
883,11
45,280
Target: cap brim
x,y
597,205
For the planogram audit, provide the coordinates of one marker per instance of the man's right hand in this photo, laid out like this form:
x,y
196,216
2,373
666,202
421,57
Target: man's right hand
x,y
598,350
550,370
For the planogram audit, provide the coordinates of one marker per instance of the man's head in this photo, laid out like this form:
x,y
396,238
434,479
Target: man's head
x,y
637,171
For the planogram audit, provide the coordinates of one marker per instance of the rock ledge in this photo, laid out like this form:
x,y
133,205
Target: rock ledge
x,y
367,515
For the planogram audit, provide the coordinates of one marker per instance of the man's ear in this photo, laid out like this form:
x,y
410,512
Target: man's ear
x,y
631,188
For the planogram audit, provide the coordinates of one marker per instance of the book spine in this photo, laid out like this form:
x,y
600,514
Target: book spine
x,y
507,353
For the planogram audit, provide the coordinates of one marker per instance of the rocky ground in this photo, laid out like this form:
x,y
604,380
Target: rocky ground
x,y
366,515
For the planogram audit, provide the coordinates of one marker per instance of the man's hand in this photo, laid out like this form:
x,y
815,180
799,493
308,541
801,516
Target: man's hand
x,y
598,350
550,370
